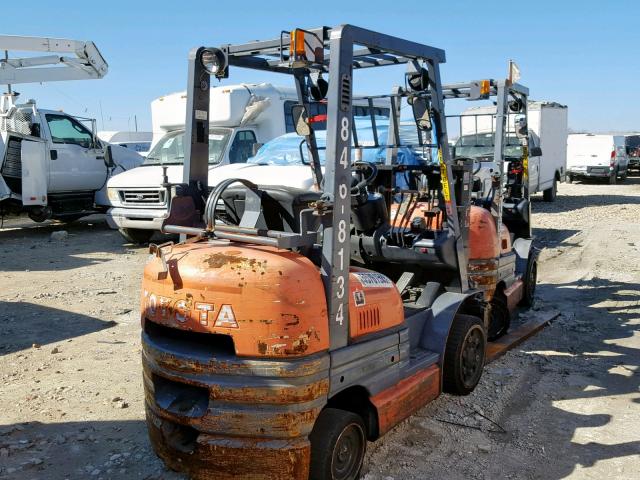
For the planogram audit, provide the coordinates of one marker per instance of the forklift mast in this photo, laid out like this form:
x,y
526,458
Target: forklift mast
x,y
510,99
307,55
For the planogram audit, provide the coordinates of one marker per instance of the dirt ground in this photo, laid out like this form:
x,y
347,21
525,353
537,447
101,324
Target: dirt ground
x,y
565,404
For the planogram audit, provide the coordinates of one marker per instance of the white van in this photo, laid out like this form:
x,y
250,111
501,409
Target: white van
x,y
242,118
596,156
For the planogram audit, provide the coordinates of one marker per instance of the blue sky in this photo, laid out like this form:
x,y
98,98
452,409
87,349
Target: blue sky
x,y
585,54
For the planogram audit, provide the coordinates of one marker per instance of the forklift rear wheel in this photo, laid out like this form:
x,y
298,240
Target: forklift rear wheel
x,y
136,235
549,195
464,356
338,445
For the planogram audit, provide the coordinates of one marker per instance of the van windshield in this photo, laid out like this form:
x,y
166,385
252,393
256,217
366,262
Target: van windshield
x,y
170,149
481,145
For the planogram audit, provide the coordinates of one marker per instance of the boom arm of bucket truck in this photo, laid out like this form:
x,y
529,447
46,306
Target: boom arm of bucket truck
x,y
69,60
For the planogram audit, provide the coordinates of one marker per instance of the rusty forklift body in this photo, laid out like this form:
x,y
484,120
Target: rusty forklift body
x,y
293,326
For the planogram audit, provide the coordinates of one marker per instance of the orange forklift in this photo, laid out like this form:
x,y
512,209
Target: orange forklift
x,y
290,327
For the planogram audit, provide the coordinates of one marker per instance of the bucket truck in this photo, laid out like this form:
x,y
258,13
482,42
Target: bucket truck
x,y
52,164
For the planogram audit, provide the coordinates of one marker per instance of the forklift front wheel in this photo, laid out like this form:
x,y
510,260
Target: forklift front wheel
x,y
464,355
338,445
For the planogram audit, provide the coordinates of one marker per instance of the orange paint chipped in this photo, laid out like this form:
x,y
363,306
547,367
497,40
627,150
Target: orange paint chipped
x,y
256,293
406,397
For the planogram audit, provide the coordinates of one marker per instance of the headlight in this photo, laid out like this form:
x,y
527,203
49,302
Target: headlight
x,y
112,195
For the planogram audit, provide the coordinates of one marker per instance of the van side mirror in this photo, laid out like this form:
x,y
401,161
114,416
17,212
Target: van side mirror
x,y
301,120
108,157
421,113
255,147
535,152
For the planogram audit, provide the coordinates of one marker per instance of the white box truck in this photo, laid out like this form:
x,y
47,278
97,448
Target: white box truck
x,y
597,156
548,130
241,118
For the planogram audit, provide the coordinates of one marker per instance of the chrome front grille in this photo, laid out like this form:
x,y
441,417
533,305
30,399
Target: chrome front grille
x,y
142,197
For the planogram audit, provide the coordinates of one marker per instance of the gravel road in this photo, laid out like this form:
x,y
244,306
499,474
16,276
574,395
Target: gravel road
x,y
565,404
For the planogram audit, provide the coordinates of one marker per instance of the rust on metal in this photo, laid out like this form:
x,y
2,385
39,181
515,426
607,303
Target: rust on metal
x,y
213,277
406,397
483,275
237,366
209,457
272,394
514,294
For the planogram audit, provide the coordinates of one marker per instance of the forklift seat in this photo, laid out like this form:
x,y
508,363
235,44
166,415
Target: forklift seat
x,y
281,206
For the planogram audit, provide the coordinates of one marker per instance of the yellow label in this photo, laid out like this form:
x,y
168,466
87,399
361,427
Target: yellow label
x,y
525,162
444,178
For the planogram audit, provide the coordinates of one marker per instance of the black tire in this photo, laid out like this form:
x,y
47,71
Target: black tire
x,y
570,179
549,195
40,215
464,355
500,316
530,280
613,178
136,235
338,445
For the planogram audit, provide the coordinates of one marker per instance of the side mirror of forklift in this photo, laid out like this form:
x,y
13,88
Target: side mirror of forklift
x,y
108,157
421,113
535,152
301,120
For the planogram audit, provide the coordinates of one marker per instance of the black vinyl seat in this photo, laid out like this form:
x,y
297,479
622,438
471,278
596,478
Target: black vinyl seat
x,y
281,206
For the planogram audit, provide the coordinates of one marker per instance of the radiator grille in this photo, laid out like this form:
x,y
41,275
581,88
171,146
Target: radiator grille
x,y
142,197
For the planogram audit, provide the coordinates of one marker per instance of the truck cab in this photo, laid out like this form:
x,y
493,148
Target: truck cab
x,y
52,165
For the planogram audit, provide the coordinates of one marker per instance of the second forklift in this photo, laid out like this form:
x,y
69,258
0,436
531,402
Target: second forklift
x,y
292,326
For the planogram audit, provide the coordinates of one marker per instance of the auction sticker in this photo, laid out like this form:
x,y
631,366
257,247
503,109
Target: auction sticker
x,y
373,279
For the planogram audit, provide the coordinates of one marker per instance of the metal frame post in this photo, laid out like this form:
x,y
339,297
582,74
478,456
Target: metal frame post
x,y
498,149
196,154
336,244
453,219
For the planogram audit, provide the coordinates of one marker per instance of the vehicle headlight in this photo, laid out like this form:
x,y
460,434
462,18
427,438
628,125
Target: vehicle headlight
x,y
112,195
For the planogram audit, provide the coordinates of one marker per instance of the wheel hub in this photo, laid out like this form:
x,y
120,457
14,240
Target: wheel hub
x,y
347,452
472,356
